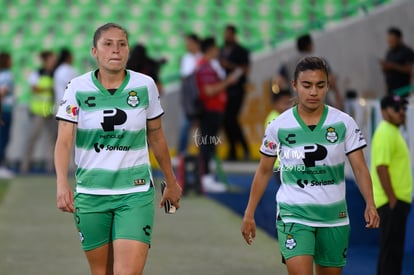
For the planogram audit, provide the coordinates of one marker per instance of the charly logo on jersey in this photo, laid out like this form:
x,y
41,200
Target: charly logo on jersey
x,y
331,135
290,242
133,99
291,138
147,230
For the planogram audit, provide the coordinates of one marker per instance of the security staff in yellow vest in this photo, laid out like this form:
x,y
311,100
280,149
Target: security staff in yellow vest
x,y
41,112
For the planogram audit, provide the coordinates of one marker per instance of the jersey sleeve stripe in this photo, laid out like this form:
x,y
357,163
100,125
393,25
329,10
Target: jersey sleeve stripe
x,y
267,155
152,118
67,120
356,149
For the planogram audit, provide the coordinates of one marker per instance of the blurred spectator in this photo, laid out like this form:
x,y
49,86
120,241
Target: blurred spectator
x,y
305,47
398,62
281,101
63,74
41,111
232,57
214,98
392,184
188,66
139,61
7,102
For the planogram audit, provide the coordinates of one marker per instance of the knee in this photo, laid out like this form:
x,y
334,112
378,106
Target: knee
x,y
127,270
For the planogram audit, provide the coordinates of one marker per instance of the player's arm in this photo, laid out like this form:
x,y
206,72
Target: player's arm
x,y
259,185
385,179
363,180
405,68
213,89
158,145
63,150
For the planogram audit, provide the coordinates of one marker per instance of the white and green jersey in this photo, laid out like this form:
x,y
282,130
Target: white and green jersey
x,y
111,150
312,165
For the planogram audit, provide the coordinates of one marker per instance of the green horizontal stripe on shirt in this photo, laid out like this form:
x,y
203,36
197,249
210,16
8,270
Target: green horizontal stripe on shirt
x,y
328,213
98,139
96,100
295,137
118,179
318,174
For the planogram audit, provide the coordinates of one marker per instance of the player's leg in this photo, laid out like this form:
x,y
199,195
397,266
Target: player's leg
x,y
297,245
51,129
94,222
331,249
129,257
101,260
300,265
133,223
35,131
321,270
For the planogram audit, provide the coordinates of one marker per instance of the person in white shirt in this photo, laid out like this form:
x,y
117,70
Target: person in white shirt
x,y
188,66
63,74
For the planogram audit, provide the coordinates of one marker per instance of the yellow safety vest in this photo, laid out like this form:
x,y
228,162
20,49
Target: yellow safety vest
x,y
41,104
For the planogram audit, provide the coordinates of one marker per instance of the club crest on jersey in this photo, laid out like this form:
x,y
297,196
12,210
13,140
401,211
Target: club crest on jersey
x,y
133,99
290,242
331,135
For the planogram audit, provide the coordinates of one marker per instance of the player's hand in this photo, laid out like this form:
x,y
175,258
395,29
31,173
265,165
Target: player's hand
x,y
248,229
371,217
65,198
393,202
173,193
386,66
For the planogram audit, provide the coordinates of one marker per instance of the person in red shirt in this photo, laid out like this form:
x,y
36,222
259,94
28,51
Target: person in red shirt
x,y
212,88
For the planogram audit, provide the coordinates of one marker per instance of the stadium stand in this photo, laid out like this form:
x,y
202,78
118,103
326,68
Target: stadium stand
x,y
28,26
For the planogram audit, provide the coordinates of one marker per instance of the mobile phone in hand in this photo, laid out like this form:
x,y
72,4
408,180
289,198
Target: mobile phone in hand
x,y
168,207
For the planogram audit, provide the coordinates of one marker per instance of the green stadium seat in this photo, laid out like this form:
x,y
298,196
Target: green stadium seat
x,y
29,26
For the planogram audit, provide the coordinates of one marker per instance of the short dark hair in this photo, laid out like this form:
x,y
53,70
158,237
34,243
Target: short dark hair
x,y
106,27
4,60
277,96
207,44
312,63
231,28
44,55
192,36
64,55
395,31
303,42
393,101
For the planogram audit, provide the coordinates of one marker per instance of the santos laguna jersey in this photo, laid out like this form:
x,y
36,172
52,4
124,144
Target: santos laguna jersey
x,y
111,150
312,165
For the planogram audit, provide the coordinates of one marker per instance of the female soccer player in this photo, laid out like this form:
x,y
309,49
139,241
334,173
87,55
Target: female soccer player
x,y
114,113
312,141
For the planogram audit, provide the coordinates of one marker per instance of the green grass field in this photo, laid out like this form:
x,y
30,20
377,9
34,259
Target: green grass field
x,y
202,238
4,185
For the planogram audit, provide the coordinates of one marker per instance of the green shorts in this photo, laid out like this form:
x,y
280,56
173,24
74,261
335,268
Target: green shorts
x,y
327,245
101,219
